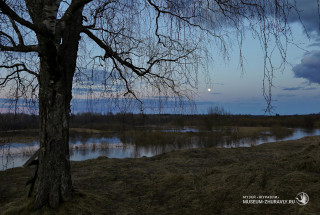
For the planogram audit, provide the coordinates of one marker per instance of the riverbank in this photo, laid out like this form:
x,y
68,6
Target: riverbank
x,y
195,181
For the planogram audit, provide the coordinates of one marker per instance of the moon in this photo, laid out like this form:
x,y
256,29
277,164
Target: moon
x,y
209,89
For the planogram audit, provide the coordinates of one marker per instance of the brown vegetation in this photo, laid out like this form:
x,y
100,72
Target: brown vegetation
x,y
197,181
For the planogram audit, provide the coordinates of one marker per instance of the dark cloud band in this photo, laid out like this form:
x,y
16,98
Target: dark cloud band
x,y
308,15
309,68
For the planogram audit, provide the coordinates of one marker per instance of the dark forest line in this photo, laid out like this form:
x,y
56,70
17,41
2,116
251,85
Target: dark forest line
x,y
125,121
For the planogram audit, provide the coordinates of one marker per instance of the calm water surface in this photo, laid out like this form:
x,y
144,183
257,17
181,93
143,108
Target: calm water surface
x,y
84,148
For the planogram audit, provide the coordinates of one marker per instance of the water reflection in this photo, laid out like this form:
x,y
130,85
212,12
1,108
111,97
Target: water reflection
x,y
247,142
90,147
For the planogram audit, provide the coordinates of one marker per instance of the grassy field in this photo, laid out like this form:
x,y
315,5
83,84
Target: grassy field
x,y
197,181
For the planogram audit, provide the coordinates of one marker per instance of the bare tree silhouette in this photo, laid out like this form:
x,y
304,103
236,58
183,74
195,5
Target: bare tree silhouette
x,y
127,48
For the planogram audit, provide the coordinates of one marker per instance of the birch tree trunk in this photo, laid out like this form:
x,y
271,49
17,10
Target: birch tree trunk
x,y
57,66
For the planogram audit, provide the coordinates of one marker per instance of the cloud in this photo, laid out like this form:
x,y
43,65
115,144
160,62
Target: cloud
x,y
308,14
314,45
292,88
309,68
310,88
298,88
89,90
286,95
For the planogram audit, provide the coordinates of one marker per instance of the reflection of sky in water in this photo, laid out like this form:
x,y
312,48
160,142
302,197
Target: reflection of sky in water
x,y
247,142
20,145
16,154
96,140
185,130
123,152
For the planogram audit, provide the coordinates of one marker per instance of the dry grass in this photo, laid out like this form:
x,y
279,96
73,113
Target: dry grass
x,y
31,135
197,181
86,130
251,131
19,136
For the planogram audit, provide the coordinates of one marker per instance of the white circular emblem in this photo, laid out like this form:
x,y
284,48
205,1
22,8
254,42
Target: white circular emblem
x,y
302,198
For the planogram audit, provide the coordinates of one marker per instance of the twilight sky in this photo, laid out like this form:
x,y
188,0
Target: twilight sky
x,y
295,89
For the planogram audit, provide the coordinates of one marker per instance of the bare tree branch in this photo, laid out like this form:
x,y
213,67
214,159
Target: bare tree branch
x,y
75,5
5,9
20,48
110,53
129,90
16,29
19,67
137,70
9,37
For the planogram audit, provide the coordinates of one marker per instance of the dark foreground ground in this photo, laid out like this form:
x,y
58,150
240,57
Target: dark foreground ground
x,y
197,181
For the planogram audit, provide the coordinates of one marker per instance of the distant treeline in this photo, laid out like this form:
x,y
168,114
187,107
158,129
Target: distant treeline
x,y
123,121
10,121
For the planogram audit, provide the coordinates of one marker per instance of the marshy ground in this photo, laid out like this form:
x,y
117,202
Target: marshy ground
x,y
194,181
